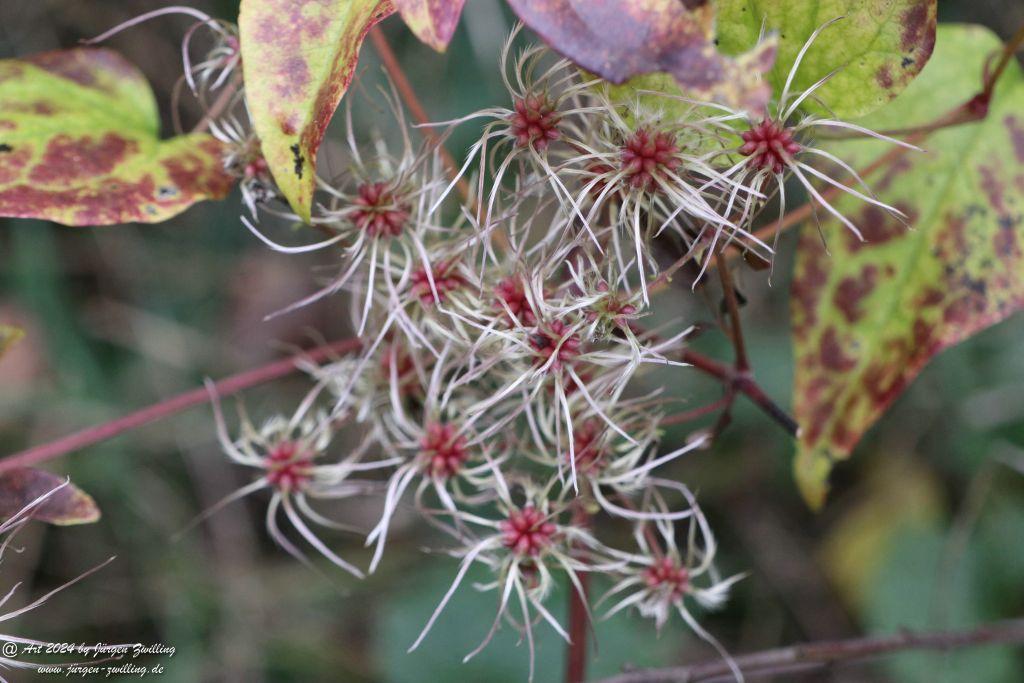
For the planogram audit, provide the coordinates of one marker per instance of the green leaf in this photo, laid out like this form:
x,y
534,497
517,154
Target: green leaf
x,y
9,336
620,39
878,47
298,58
868,316
79,144
70,505
433,21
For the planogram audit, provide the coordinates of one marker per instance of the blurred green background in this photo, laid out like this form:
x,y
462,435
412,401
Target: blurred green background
x,y
925,528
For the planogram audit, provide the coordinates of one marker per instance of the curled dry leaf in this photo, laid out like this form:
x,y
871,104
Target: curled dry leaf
x,y
867,316
619,39
298,58
69,505
433,21
79,144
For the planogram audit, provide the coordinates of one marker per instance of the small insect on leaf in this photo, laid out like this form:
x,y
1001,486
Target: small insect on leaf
x,y
66,506
79,144
298,58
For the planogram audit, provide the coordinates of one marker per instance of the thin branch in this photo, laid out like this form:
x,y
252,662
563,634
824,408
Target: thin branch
x,y
408,95
579,619
175,404
733,306
810,656
695,413
742,382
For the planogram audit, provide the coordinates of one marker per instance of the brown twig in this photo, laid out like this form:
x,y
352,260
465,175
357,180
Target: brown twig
x,y
809,656
225,387
408,95
733,307
579,618
741,381
695,413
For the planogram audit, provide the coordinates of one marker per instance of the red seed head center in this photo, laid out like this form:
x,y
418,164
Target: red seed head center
x,y
769,145
667,574
554,340
526,532
512,294
534,122
442,450
288,466
446,280
645,155
378,211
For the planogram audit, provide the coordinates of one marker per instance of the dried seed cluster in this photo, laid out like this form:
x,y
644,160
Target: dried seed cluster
x,y
500,385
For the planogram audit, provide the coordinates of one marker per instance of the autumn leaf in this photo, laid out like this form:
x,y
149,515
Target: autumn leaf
x,y
876,49
79,144
9,336
69,505
433,21
868,316
298,58
619,39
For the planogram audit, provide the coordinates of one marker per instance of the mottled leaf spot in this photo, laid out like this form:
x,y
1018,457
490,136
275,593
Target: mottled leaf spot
x,y
875,51
118,171
868,316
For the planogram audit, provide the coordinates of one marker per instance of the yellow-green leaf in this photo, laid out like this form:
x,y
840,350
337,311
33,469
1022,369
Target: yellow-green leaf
x,y
868,316
68,505
298,58
79,144
878,46
9,336
433,21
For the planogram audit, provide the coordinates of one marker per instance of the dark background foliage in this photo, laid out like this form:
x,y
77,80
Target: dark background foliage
x,y
924,529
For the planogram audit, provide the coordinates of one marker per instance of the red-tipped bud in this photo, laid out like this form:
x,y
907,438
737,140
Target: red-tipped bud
x,y
443,450
769,145
534,122
379,212
288,468
646,154
526,532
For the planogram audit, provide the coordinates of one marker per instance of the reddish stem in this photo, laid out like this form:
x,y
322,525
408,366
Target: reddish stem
x,y
175,404
576,657
745,384
579,619
408,95
733,306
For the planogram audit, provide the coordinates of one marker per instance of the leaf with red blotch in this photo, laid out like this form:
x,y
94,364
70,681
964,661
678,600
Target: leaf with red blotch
x,y
867,316
433,21
619,39
868,56
66,506
79,144
298,58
